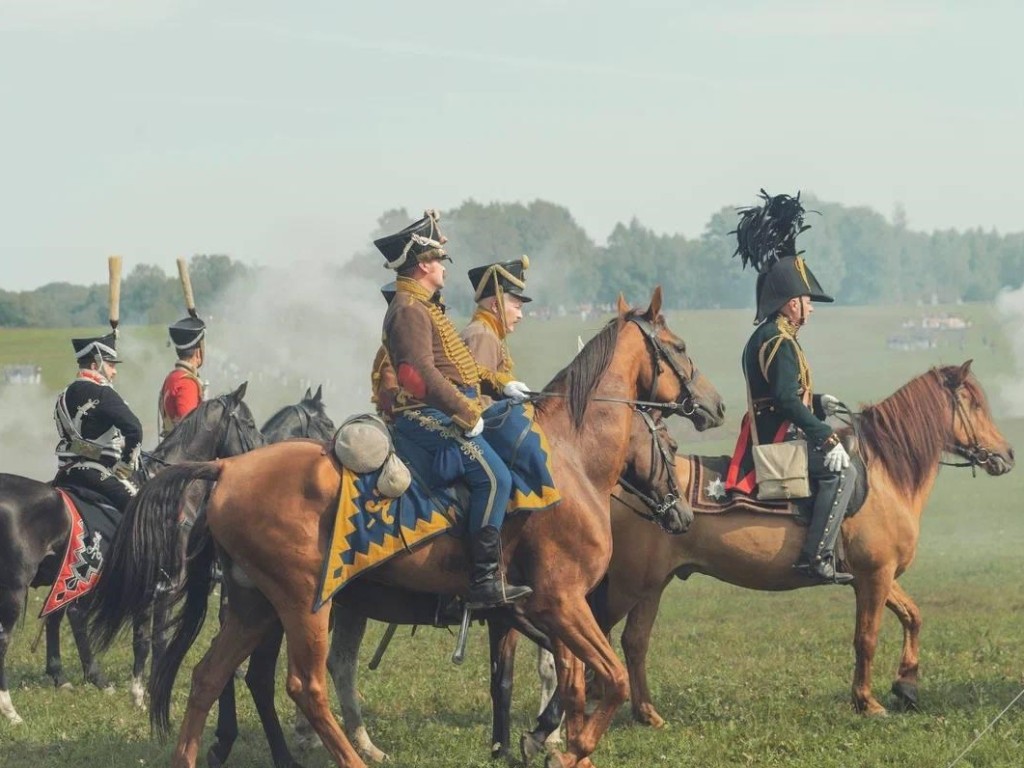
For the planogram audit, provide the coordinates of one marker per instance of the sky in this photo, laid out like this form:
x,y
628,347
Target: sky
x,y
277,132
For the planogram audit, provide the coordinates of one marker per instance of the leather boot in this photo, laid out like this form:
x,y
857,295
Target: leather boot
x,y
817,558
487,589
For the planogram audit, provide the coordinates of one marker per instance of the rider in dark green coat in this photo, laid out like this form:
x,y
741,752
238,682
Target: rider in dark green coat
x,y
780,382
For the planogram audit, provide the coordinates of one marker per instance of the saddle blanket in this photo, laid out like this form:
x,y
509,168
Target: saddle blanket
x,y
93,525
368,529
707,495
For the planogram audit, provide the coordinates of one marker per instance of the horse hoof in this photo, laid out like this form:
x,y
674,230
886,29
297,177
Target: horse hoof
x,y
648,715
108,689
213,757
906,695
529,748
65,686
498,750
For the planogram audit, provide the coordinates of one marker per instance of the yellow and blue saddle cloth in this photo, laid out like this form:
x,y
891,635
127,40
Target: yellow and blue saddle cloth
x,y
368,528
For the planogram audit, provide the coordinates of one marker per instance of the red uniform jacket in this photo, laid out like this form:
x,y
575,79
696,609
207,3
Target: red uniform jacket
x,y
180,394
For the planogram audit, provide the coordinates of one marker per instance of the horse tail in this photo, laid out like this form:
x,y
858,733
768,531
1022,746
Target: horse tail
x,y
186,624
146,552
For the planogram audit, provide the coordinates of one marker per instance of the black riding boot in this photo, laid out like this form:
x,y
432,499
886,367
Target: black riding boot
x,y
817,558
487,589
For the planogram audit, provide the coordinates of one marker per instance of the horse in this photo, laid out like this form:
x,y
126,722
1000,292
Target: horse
x,y
649,471
35,528
307,418
269,508
902,440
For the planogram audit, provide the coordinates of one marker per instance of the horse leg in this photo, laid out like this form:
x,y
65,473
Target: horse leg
x,y
260,680
503,640
54,663
10,610
141,643
78,619
546,735
905,685
307,664
872,590
579,641
636,639
227,726
232,644
343,664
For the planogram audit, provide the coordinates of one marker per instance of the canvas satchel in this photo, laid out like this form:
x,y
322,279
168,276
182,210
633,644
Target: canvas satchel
x,y
780,468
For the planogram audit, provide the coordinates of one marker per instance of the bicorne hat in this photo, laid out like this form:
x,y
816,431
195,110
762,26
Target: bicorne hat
x,y
509,276
104,347
187,332
420,241
766,240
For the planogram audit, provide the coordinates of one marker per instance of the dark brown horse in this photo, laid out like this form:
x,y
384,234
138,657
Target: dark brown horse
x,y
34,531
269,512
902,440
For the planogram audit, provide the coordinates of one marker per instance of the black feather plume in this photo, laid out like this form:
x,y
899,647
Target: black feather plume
x,y
767,233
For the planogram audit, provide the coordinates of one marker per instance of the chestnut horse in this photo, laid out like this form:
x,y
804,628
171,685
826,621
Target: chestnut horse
x,y
269,513
902,440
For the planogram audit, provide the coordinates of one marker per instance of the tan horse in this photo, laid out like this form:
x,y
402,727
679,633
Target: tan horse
x,y
902,440
269,514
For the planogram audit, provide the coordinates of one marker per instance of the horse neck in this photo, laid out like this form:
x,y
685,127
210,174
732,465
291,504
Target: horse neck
x,y
601,445
201,446
908,451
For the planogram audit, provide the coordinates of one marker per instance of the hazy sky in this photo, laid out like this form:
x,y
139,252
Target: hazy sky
x,y
163,128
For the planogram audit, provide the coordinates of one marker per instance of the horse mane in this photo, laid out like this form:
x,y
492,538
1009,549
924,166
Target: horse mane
x,y
187,428
580,377
908,431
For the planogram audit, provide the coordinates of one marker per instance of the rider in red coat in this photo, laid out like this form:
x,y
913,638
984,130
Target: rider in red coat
x,y
183,390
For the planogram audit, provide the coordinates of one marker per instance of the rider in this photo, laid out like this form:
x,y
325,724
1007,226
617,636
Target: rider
x,y
383,382
438,404
183,390
100,437
779,378
498,290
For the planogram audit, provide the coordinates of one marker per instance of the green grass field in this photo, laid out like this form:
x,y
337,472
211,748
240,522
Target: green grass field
x,y
743,678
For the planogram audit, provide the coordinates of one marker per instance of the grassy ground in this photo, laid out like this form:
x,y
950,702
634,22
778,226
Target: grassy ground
x,y
743,678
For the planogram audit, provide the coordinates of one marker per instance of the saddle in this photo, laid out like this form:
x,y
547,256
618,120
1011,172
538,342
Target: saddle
x,y
706,492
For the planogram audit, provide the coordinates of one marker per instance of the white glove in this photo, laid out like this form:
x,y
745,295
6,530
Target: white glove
x,y
477,428
829,404
837,459
516,391
123,470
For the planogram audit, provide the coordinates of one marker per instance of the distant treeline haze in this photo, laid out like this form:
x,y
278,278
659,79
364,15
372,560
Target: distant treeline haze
x,y
858,255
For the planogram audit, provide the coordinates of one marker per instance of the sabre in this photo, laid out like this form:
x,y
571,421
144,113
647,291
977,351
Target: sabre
x,y
382,646
186,287
460,644
114,284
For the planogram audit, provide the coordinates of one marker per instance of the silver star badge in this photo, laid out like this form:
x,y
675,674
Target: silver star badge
x,y
715,489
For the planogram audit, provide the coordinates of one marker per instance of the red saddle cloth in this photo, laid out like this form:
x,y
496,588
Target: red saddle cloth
x,y
707,494
80,568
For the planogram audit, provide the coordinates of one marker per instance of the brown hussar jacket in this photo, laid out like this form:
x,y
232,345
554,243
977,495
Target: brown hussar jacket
x,y
487,344
431,361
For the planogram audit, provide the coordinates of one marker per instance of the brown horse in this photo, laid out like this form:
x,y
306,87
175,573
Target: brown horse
x,y
902,440
269,514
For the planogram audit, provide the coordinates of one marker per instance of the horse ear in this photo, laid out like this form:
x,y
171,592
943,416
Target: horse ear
x,y
655,309
623,308
964,371
309,394
319,394
239,393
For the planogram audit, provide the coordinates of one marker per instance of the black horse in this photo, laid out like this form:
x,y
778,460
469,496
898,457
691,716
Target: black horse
x,y
35,527
307,418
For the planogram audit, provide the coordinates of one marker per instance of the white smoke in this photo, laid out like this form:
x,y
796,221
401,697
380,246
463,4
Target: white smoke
x,y
304,325
1010,310
27,432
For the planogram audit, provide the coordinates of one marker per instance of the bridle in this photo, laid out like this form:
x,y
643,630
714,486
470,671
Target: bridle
x,y
656,510
976,455
686,405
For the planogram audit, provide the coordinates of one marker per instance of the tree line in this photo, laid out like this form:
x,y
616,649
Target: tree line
x,y
859,255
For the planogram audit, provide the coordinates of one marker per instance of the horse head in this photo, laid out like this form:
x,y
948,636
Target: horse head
x,y
973,434
685,390
307,418
650,473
